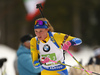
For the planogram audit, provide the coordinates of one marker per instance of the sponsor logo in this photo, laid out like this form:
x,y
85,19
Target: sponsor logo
x,y
46,48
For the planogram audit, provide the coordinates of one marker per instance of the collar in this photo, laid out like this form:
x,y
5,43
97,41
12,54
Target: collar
x,y
46,39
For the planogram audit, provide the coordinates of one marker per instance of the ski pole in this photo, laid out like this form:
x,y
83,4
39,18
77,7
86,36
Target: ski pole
x,y
73,56
40,7
78,68
59,62
77,61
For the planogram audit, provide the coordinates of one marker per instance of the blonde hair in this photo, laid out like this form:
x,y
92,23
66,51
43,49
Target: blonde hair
x,y
50,28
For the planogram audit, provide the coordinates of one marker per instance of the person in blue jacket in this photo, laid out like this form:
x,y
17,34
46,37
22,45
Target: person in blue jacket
x,y
25,66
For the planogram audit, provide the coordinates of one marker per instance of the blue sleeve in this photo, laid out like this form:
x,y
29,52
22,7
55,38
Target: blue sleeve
x,y
75,41
26,61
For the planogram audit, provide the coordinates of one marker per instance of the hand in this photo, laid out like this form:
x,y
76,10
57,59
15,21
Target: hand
x,y
36,64
45,60
66,45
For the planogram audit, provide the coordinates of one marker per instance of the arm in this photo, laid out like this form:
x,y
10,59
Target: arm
x,y
74,40
60,39
34,53
71,41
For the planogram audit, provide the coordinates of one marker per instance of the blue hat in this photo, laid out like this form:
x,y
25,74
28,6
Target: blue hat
x,y
40,24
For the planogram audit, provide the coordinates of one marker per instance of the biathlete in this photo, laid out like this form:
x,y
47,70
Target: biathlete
x,y
50,44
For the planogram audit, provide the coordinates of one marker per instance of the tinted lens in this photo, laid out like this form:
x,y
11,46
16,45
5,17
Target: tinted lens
x,y
39,22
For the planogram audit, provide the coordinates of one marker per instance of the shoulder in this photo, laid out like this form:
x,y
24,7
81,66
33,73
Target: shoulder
x,y
58,34
33,40
33,43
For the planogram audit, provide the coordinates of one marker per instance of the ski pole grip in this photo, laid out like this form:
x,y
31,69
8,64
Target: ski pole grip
x,y
40,7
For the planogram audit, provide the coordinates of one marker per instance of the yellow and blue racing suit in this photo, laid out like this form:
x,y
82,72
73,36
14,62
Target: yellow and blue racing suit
x,y
50,48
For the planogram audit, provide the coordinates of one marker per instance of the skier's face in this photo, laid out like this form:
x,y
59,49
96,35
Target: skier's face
x,y
41,33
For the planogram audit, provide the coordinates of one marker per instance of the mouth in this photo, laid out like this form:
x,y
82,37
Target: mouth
x,y
39,37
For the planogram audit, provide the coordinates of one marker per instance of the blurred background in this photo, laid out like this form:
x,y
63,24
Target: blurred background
x,y
79,18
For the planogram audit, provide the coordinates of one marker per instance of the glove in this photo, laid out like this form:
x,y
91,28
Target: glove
x,y
66,45
36,64
45,60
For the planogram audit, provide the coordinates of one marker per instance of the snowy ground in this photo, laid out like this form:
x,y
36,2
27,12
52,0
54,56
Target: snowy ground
x,y
84,54
10,54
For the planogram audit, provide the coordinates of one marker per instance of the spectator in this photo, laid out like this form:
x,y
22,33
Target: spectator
x,y
96,58
25,66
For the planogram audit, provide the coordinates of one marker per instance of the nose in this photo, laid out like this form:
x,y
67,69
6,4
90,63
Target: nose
x,y
38,34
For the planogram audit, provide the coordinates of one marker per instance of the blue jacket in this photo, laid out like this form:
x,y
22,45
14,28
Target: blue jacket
x,y
25,66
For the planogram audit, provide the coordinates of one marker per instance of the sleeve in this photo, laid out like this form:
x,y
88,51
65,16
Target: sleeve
x,y
75,41
60,38
70,38
26,62
34,51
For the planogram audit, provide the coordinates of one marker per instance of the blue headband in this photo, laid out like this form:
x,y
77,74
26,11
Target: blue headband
x,y
40,24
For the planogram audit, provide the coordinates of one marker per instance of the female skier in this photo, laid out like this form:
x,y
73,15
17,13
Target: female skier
x,y
49,44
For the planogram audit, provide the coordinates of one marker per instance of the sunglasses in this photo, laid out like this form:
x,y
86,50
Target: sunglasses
x,y
40,22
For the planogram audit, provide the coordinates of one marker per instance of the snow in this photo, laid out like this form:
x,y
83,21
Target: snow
x,y
10,54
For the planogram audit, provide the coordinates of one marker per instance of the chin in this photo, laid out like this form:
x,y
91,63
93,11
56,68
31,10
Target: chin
x,y
40,39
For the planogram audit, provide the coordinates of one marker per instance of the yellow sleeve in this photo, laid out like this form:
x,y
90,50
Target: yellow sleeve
x,y
59,38
70,38
34,51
